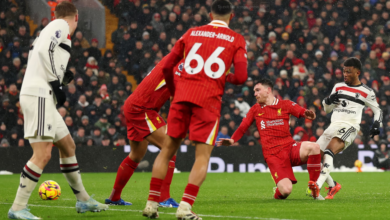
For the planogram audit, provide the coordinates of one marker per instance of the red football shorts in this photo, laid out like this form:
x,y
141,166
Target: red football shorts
x,y
281,164
202,124
141,122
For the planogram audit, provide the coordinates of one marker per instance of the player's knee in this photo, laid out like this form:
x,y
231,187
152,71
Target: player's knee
x,y
316,148
285,190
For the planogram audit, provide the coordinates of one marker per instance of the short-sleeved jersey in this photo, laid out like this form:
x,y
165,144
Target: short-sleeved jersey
x,y
272,122
152,92
48,58
353,99
208,52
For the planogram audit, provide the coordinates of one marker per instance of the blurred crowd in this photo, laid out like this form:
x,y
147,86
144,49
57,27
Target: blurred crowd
x,y
299,44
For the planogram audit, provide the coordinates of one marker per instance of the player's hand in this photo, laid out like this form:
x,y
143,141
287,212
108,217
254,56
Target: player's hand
x,y
58,92
309,114
68,77
375,129
224,142
333,99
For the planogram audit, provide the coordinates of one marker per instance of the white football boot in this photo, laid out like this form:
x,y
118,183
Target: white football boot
x,y
184,212
151,210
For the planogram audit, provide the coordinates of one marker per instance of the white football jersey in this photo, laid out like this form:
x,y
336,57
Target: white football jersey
x,y
353,99
47,60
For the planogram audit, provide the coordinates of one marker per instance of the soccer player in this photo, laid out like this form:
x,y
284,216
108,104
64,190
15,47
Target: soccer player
x,y
41,91
347,102
208,53
144,125
280,150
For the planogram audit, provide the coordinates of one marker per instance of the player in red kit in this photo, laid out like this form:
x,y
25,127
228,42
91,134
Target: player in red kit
x,y
144,125
208,52
280,151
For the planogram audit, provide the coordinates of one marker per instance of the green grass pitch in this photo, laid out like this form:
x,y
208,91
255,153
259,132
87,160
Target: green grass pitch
x,y
222,196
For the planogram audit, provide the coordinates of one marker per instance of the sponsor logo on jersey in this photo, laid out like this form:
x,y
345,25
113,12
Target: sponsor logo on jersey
x,y
344,111
58,34
262,125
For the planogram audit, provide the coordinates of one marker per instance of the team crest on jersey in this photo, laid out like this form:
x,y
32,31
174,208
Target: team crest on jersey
x,y
357,95
181,67
276,175
280,112
58,34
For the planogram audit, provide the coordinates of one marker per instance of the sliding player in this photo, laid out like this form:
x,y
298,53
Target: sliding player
x,y
145,125
347,102
208,51
280,151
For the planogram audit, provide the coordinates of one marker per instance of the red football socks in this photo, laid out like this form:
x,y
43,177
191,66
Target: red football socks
x,y
190,193
125,171
314,167
155,189
279,195
165,188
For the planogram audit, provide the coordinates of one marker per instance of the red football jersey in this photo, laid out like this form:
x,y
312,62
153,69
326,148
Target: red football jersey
x,y
208,52
152,92
272,122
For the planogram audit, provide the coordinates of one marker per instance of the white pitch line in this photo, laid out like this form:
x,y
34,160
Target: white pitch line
x,y
168,213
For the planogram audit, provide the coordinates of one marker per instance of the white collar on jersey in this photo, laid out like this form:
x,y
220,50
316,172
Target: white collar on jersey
x,y
218,23
276,101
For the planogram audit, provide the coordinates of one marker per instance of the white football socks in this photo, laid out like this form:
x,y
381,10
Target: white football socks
x,y
28,180
330,181
71,171
327,167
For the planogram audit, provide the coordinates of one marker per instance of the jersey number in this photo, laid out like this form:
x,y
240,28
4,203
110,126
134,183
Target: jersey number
x,y
201,64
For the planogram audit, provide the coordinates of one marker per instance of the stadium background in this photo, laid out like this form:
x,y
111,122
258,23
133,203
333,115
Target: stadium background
x,y
299,45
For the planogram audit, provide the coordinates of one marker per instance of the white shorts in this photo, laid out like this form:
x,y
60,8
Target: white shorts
x,y
344,131
42,121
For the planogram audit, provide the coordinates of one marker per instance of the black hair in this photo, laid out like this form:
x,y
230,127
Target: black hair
x,y
266,82
221,7
354,62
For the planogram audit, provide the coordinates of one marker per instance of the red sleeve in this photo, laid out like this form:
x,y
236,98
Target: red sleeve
x,y
240,76
173,58
246,122
240,64
295,109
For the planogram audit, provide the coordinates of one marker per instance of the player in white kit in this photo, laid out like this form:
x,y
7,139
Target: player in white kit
x,y
41,91
347,101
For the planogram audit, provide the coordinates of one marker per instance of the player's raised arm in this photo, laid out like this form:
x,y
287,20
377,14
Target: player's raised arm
x,y
330,102
378,114
246,122
240,65
299,112
172,59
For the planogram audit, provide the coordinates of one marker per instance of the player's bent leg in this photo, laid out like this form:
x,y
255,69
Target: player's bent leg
x,y
71,171
29,179
126,170
335,146
284,189
197,177
159,172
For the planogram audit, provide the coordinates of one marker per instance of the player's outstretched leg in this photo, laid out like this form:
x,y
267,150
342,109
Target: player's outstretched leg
x,y
29,179
70,170
160,169
310,152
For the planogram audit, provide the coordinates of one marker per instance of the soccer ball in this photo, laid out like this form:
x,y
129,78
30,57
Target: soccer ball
x,y
358,164
49,190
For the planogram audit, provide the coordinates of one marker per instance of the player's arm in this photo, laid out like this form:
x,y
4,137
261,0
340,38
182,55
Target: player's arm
x,y
299,112
245,124
173,58
378,114
331,101
52,38
240,65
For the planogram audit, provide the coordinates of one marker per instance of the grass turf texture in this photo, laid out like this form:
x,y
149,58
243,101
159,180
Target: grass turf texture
x,y
222,196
